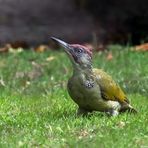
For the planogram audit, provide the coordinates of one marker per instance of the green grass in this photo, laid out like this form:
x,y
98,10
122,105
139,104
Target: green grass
x,y
36,111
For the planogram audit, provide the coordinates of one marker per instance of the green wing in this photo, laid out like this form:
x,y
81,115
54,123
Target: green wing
x,y
110,90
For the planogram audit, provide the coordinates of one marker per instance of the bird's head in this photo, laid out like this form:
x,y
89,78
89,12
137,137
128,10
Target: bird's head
x,y
80,56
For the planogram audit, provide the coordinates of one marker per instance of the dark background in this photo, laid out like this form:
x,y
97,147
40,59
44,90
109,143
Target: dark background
x,y
108,21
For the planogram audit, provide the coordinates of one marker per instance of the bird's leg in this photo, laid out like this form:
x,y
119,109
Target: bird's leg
x,y
113,112
82,112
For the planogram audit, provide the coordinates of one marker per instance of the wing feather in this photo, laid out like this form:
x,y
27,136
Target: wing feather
x,y
110,90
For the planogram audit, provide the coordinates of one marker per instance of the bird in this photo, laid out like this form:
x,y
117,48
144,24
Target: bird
x,y
90,88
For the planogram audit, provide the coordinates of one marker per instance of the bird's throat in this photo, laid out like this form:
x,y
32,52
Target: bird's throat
x,y
85,69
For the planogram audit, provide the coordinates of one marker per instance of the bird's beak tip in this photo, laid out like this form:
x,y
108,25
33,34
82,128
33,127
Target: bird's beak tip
x,y
62,43
53,38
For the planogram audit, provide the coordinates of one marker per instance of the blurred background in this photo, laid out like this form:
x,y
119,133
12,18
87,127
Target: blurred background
x,y
78,21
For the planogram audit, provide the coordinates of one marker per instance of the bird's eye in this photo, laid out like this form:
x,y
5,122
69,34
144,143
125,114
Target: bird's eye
x,y
79,50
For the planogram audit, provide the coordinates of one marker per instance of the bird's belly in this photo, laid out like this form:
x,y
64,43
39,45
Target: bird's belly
x,y
88,98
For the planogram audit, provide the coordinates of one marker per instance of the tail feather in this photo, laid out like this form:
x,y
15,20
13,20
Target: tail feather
x,y
128,108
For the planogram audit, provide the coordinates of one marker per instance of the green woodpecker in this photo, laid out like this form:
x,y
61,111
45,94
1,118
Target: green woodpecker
x,y
92,89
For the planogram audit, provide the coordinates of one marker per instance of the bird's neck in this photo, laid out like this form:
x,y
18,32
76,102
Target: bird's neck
x,y
84,69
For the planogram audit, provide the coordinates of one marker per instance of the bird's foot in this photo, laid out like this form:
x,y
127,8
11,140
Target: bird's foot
x,y
113,113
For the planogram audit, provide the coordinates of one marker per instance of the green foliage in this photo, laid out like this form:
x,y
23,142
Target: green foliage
x,y
36,111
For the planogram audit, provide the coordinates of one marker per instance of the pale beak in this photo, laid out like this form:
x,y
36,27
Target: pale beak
x,y
60,42
66,47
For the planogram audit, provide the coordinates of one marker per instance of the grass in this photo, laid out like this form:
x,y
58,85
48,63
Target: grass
x,y
36,111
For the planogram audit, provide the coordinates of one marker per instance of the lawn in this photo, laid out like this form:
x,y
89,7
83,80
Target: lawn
x,y
36,110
